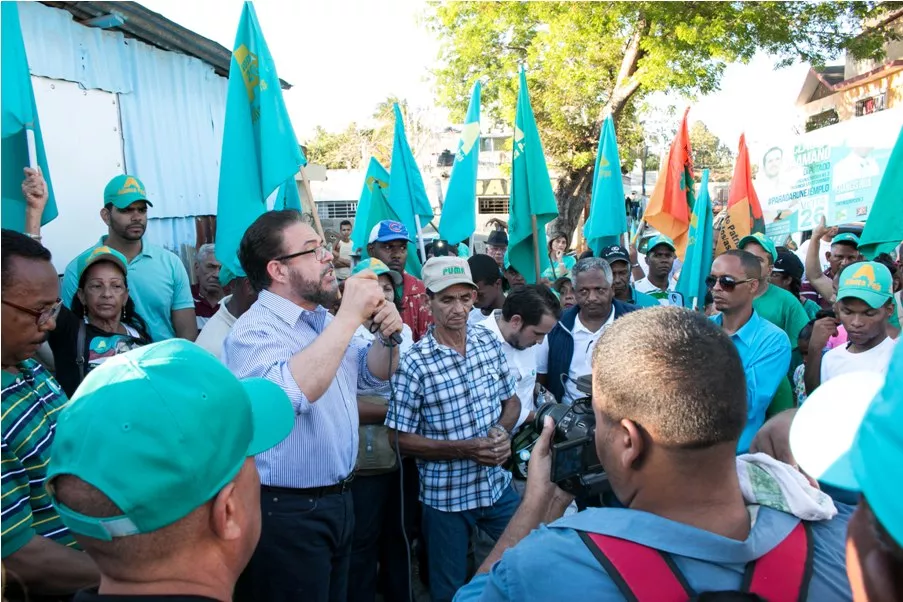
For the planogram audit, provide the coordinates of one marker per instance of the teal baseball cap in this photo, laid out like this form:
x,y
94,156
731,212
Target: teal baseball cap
x,y
102,253
847,238
379,268
124,190
763,241
661,239
847,435
160,430
869,281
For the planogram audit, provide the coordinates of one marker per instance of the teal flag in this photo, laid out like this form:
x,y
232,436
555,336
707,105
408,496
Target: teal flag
x,y
607,216
288,197
698,260
260,152
407,194
20,114
459,217
531,193
378,211
376,175
883,230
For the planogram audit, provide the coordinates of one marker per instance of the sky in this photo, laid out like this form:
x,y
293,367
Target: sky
x,y
345,56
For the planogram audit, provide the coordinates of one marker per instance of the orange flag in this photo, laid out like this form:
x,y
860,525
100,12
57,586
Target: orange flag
x,y
669,206
744,213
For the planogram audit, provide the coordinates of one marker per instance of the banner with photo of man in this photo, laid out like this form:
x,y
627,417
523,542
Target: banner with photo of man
x,y
832,172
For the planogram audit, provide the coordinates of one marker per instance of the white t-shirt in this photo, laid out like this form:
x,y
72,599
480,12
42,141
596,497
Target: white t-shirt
x,y
839,360
407,341
645,286
217,328
476,316
521,362
582,361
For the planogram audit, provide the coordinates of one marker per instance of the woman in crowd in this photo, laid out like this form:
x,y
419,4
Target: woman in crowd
x,y
102,322
561,263
565,289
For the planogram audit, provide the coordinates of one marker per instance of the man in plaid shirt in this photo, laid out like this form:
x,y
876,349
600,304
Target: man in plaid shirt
x,y
453,407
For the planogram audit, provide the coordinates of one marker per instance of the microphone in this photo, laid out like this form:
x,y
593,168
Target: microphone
x,y
395,338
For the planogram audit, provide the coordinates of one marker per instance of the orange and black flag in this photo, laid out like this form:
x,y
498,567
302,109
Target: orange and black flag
x,y
669,206
744,213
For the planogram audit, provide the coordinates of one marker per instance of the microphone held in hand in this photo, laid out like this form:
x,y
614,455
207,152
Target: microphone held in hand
x,y
395,339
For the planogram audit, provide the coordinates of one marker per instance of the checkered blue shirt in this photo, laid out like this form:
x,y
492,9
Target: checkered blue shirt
x,y
441,395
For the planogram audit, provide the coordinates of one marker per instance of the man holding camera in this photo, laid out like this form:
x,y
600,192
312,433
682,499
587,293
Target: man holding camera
x,y
668,448
453,406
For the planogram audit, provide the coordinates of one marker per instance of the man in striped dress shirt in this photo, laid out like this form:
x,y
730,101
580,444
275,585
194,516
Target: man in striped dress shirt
x,y
39,553
289,337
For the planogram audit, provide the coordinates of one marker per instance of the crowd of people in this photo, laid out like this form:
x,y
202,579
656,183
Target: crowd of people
x,y
323,426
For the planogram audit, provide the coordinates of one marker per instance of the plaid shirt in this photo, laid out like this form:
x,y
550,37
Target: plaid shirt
x,y
441,395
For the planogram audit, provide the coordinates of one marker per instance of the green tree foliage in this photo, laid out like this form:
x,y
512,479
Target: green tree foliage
x,y
710,153
586,60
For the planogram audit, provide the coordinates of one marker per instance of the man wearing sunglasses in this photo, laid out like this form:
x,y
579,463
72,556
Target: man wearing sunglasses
x,y
38,551
763,347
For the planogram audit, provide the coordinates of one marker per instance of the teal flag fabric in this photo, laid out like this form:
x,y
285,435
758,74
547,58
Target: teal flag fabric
x,y
531,193
459,217
883,230
407,194
607,216
378,211
260,152
288,197
19,115
698,260
376,175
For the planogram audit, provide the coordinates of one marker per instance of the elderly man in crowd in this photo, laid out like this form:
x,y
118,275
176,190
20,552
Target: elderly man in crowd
x,y
453,408
497,246
158,282
39,552
207,292
289,338
619,261
154,473
232,307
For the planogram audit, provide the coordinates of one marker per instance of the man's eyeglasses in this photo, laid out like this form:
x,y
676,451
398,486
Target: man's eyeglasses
x,y
728,283
42,316
320,254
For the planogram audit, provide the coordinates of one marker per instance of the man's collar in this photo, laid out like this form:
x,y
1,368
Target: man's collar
x,y
146,249
287,310
744,333
25,367
579,326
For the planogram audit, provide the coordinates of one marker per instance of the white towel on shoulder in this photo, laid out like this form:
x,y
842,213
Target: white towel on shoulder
x,y
769,482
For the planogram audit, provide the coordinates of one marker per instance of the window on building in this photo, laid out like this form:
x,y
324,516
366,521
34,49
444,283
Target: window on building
x,y
872,104
493,205
821,120
336,209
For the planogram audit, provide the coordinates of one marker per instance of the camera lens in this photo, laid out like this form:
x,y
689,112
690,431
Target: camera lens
x,y
555,410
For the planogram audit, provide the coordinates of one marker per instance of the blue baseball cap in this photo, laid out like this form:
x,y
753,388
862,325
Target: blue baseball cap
x,y
389,230
847,435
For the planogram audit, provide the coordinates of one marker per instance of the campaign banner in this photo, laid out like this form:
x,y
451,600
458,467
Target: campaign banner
x,y
832,172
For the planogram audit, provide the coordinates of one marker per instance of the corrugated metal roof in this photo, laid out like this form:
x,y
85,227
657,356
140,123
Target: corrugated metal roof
x,y
153,28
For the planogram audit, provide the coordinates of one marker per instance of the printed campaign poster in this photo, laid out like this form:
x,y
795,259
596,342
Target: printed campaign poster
x,y
832,172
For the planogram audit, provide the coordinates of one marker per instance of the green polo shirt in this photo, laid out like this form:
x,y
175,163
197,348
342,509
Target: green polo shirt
x,y
786,312
31,403
811,308
158,284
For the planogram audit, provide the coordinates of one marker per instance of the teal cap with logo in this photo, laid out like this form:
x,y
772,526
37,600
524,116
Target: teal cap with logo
x,y
102,253
661,239
846,238
763,241
439,273
379,268
160,430
124,190
868,281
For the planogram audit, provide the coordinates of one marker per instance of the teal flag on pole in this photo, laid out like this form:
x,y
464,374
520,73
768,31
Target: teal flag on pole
x,y
607,217
531,192
459,217
698,260
288,197
376,176
378,211
260,152
20,114
883,230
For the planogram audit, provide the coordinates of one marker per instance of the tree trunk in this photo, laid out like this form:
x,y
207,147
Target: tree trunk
x,y
572,194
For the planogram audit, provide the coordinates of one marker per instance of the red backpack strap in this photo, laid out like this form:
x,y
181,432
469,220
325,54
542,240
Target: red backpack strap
x,y
783,574
642,574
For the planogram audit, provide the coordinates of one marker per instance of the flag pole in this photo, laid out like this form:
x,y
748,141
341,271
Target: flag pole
x,y
313,205
420,236
32,148
535,246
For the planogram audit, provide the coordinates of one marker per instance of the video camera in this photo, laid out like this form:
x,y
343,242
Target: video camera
x,y
575,464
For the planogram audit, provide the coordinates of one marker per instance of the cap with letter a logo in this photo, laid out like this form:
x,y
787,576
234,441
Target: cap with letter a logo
x,y
439,273
869,281
124,190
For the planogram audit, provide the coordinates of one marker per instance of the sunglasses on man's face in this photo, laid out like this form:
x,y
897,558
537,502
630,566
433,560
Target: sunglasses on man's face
x,y
728,283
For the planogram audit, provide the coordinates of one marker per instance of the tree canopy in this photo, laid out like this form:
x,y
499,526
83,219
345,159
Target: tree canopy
x,y
709,152
587,60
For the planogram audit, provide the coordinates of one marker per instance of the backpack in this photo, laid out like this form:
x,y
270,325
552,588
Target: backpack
x,y
644,574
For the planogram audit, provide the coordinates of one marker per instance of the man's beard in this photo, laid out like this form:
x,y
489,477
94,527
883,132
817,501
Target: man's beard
x,y
313,291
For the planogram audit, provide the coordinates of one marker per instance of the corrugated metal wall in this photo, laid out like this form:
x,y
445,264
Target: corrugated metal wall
x,y
172,109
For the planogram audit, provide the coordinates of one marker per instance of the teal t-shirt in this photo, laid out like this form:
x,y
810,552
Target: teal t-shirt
x,y
785,311
642,299
158,284
560,268
811,308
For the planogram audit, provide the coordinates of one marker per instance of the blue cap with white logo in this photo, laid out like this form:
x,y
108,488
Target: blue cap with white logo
x,y
389,230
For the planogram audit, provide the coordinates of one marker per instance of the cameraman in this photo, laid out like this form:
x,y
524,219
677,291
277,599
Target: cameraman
x,y
669,450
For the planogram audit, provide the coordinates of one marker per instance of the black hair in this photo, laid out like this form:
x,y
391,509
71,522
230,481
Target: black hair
x,y
694,388
263,242
484,268
585,254
559,284
806,331
887,261
750,263
531,303
16,244
129,313
345,222
709,298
